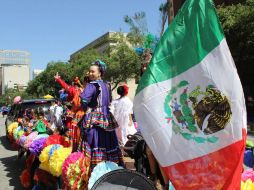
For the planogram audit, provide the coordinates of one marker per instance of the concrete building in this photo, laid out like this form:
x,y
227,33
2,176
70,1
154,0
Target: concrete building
x,y
14,69
102,44
36,72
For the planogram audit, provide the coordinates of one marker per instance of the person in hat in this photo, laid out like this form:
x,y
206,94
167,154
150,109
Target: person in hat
x,y
99,140
76,112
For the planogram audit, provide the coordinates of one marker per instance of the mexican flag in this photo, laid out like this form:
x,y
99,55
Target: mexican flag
x,y
190,104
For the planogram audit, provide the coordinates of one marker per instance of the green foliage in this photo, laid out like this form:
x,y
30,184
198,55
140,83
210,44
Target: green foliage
x,y
164,15
10,94
81,62
238,24
45,83
123,63
138,28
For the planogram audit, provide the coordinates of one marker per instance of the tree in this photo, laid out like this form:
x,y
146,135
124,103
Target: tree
x,y
138,28
238,24
10,94
163,15
124,64
81,62
45,83
122,61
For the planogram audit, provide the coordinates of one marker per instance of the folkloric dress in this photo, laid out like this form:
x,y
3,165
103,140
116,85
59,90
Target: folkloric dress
x,y
99,140
76,112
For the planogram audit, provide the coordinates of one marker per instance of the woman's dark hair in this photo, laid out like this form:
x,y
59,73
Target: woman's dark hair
x,y
100,70
86,79
101,66
120,90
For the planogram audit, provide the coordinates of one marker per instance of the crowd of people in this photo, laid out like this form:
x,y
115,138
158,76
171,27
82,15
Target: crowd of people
x,y
82,129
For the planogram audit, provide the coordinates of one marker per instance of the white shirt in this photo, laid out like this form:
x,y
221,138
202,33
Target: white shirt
x,y
122,109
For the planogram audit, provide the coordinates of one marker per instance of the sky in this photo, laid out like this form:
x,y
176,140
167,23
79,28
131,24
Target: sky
x,y
51,30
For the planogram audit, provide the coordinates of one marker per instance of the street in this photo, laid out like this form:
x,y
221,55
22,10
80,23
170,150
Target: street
x,y
10,166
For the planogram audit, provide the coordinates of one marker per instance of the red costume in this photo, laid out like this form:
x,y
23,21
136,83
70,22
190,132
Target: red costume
x,y
76,112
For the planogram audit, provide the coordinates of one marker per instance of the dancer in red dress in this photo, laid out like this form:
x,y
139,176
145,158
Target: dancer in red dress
x,y
76,112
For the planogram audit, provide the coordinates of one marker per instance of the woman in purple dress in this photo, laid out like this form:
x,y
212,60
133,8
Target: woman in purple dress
x,y
99,140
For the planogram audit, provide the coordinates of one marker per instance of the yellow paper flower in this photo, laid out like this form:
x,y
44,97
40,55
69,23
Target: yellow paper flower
x,y
57,159
247,185
11,127
44,158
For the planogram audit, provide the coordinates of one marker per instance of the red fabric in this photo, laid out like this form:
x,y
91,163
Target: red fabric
x,y
69,89
14,145
25,178
68,122
29,161
75,137
46,123
126,89
57,139
218,170
45,178
76,111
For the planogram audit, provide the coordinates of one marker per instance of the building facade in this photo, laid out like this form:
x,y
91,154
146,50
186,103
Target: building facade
x,y
103,43
14,69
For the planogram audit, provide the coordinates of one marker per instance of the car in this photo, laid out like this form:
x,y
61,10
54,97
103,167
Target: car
x,y
17,110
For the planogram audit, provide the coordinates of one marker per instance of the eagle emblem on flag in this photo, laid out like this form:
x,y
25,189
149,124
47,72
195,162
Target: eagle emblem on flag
x,y
197,114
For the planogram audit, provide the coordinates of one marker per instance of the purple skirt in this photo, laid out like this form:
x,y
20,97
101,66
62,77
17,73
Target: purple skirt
x,y
101,145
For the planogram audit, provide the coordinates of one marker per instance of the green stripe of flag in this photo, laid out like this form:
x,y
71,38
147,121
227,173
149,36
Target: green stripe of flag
x,y
194,33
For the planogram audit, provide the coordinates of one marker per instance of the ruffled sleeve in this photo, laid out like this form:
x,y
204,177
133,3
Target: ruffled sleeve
x,y
87,94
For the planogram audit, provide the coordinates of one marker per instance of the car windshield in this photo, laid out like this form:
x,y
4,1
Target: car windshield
x,y
35,105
